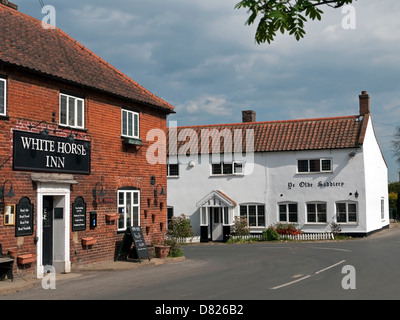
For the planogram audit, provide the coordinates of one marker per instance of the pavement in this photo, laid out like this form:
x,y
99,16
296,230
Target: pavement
x,y
25,283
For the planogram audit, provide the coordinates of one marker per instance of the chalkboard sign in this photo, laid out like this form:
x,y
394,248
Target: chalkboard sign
x,y
79,215
133,235
24,218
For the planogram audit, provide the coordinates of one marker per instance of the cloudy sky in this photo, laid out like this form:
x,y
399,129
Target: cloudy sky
x,y
199,56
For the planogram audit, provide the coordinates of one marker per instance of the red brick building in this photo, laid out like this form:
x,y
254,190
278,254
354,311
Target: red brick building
x,y
73,148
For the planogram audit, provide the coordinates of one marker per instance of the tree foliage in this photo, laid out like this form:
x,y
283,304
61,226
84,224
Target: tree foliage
x,y
396,145
284,15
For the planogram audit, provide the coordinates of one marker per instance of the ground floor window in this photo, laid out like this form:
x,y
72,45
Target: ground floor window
x,y
254,213
128,208
170,214
316,212
288,212
346,212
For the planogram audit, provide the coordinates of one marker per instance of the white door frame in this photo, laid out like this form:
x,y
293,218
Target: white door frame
x,y
60,190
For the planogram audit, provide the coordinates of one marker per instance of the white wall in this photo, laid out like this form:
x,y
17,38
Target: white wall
x,y
376,173
274,179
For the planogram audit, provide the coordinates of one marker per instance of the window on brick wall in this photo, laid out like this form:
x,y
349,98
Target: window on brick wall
x,y
3,97
128,208
130,124
72,111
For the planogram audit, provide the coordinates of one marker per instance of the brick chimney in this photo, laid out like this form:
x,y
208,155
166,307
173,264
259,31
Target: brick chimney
x,y
9,4
249,116
364,103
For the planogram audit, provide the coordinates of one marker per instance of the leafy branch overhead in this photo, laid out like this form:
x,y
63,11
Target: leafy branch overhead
x,y
284,15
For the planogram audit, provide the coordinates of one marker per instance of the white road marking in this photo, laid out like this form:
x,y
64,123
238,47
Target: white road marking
x,y
308,276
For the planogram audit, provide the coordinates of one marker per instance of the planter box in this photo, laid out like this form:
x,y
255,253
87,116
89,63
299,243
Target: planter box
x,y
112,216
88,241
26,259
161,251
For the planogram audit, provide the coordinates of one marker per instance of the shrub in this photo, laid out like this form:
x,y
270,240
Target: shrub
x,y
180,227
287,229
240,227
175,249
270,234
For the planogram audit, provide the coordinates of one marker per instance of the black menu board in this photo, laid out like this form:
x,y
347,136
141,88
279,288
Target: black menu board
x,y
24,218
79,215
133,235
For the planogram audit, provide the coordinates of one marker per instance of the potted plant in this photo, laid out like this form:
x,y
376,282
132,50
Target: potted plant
x,y
161,251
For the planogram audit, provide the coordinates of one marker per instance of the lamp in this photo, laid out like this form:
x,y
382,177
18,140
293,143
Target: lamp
x,y
162,193
356,194
44,133
10,193
94,191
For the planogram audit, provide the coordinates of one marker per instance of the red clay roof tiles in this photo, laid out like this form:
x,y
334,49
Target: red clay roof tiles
x,y
25,43
291,135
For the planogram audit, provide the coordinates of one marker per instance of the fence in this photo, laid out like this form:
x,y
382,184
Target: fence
x,y
303,236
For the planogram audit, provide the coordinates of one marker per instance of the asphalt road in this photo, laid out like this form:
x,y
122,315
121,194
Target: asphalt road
x,y
260,271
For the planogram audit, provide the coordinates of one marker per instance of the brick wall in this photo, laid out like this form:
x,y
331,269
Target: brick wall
x,y
32,99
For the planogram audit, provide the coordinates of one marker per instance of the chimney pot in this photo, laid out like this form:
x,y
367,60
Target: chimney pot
x,y
364,103
248,116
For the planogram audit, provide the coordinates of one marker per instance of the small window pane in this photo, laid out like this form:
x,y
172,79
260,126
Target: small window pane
x,y
326,165
311,214
252,216
238,167
282,212
302,166
243,211
130,125
71,111
352,212
63,110
261,215
227,168
136,125
314,165
173,170
79,113
216,168
2,96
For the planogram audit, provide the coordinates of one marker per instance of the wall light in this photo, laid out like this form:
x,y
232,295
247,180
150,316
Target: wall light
x,y
10,193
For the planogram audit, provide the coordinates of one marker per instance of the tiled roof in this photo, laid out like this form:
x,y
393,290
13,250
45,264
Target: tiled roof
x,y
25,43
291,135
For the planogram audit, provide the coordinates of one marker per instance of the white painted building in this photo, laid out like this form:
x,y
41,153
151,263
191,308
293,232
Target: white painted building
x,y
307,172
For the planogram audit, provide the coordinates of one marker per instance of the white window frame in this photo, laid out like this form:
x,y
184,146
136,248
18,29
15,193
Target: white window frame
x,y
4,81
234,171
169,171
75,110
134,117
122,206
347,203
320,165
204,216
247,205
316,203
287,220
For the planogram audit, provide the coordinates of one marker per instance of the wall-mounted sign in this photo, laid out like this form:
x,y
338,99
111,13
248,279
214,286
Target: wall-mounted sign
x,y
320,184
79,215
33,152
24,218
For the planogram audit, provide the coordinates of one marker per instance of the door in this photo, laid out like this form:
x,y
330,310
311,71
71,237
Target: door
x,y
216,226
47,238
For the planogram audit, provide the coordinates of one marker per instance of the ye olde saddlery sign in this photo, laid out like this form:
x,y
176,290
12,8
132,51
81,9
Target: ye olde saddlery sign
x,y
33,152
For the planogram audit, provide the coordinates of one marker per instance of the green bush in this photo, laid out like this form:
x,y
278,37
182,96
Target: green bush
x,y
270,234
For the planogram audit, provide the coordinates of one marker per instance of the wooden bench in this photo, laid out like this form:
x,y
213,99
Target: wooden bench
x,y
6,266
